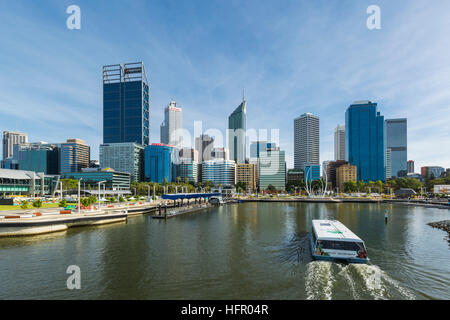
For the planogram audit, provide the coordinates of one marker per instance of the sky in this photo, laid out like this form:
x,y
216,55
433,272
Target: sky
x,y
291,57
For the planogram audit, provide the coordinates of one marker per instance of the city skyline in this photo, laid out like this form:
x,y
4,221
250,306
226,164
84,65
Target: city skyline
x,y
64,96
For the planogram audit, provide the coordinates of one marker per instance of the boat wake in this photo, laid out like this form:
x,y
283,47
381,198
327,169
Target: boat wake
x,y
328,280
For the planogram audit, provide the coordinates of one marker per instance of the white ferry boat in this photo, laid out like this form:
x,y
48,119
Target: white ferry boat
x,y
331,240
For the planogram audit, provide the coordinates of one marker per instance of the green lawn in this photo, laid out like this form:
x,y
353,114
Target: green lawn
x,y
45,205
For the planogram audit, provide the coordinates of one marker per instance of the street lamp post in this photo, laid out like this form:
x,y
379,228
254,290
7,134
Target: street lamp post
x,y
99,183
79,195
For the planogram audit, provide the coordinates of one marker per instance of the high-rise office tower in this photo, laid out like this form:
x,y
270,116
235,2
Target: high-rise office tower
x,y
220,172
126,111
75,155
236,133
204,145
160,163
410,166
388,163
396,140
365,140
123,157
11,138
306,141
339,143
172,125
39,157
272,169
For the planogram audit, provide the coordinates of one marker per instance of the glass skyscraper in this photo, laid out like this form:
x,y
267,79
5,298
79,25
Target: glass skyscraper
x,y
272,169
365,139
124,157
39,157
396,140
236,133
160,163
126,101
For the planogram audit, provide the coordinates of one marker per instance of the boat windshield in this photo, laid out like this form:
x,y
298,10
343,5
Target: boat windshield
x,y
341,245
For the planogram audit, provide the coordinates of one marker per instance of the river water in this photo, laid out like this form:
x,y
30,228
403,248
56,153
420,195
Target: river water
x,y
237,251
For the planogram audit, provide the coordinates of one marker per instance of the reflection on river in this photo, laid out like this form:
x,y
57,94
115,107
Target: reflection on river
x,y
238,251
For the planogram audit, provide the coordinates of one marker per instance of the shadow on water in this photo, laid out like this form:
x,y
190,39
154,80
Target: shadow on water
x,y
297,250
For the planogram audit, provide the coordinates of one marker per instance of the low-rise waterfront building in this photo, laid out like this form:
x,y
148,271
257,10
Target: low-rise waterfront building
x,y
246,173
295,176
29,183
331,171
115,180
442,188
345,173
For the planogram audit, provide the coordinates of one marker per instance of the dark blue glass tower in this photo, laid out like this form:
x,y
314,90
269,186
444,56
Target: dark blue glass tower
x,y
126,114
365,140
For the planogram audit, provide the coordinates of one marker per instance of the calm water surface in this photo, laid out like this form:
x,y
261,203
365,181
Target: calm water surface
x,y
238,251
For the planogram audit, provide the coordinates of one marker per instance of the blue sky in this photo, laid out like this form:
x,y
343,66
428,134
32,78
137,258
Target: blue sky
x,y
292,57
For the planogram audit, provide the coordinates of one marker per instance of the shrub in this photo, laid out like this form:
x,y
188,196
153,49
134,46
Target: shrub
x,y
62,203
121,199
24,204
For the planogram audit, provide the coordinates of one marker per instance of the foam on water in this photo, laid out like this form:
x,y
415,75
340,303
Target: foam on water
x,y
363,281
319,280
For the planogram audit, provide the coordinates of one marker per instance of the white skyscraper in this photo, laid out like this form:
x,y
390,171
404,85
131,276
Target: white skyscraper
x,y
171,128
11,138
339,143
306,140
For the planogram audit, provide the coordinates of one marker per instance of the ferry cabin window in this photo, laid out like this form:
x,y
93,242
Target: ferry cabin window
x,y
341,245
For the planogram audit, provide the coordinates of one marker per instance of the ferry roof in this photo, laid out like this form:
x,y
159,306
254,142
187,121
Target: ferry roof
x,y
333,230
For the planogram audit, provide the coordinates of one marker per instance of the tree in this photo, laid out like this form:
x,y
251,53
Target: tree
x,y
69,184
271,188
62,203
350,186
241,186
37,203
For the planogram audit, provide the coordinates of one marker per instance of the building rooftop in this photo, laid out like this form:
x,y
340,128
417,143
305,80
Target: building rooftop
x,y
17,174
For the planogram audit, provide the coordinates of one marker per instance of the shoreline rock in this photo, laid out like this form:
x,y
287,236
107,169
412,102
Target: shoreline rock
x,y
443,225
